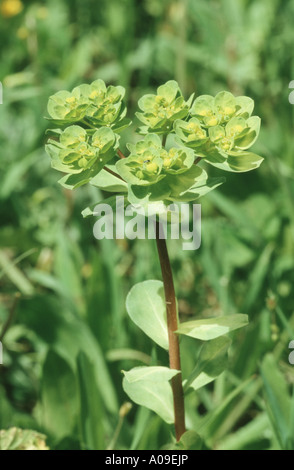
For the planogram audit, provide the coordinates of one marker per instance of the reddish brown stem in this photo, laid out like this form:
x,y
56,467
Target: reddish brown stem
x,y
172,325
113,173
120,154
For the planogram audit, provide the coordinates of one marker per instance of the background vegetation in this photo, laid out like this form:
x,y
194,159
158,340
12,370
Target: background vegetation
x,y
66,336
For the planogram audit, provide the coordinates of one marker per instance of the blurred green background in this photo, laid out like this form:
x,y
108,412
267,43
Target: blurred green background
x,y
66,336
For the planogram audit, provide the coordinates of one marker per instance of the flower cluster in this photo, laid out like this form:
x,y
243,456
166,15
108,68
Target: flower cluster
x,y
155,173
162,109
77,150
149,162
221,124
218,129
94,104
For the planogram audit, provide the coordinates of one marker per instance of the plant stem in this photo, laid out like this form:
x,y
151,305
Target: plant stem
x,y
164,139
113,173
172,325
120,154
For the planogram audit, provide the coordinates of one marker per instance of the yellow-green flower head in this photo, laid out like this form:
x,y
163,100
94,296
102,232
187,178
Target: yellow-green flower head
x,y
191,132
69,106
78,150
105,103
212,111
73,136
95,103
149,162
161,110
220,126
237,134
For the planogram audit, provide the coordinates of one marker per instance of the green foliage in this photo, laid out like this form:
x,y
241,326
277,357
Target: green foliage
x,y
211,328
279,403
58,397
212,361
146,307
149,386
149,315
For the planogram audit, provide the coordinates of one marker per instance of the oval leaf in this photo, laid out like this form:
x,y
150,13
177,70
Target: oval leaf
x,y
152,374
212,328
212,361
150,387
237,162
146,307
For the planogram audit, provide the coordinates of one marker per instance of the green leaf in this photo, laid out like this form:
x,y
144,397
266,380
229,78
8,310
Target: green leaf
x,y
225,99
53,151
184,181
69,333
147,102
150,387
15,275
144,195
211,328
75,181
146,307
108,182
278,400
73,136
237,162
121,125
212,362
216,133
111,201
248,139
237,125
200,189
154,374
202,104
169,90
91,411
190,440
105,139
61,123
59,401
245,105
225,411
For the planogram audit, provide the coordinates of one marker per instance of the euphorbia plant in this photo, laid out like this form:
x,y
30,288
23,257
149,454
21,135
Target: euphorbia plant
x,y
84,145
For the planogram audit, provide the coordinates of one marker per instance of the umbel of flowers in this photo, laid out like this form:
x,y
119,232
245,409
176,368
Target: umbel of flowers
x,y
84,141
